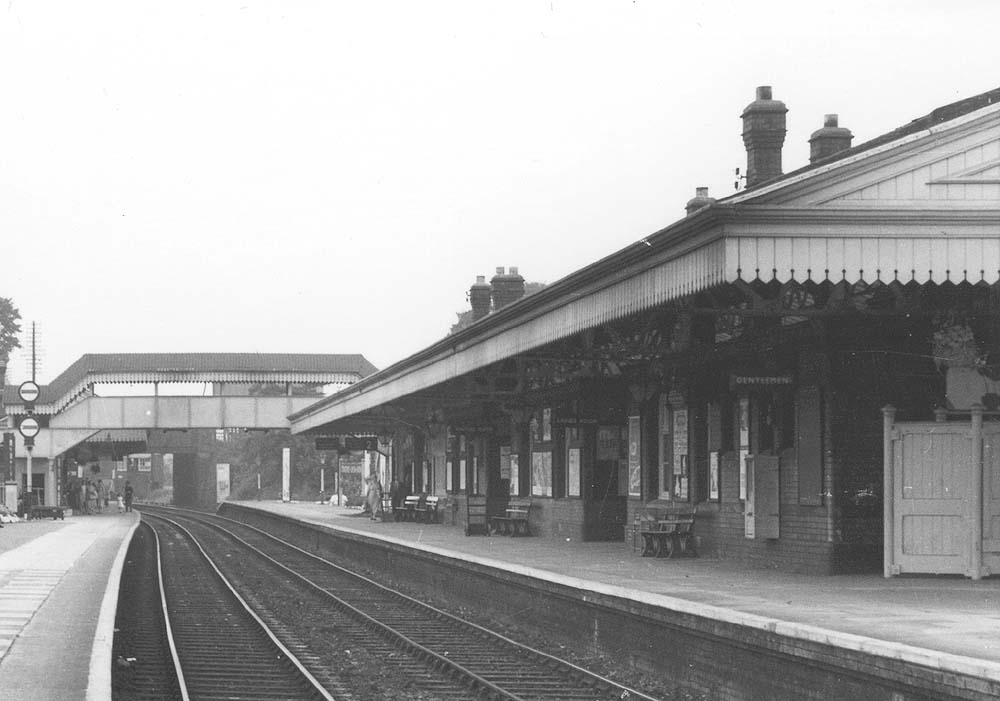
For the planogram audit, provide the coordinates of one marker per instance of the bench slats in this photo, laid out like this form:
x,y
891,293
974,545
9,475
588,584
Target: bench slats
x,y
665,533
515,518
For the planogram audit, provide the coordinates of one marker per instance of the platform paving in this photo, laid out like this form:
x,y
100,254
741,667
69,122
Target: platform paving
x,y
947,623
58,591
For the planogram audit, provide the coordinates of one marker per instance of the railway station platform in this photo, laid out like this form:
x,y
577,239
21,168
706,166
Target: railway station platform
x,y
58,595
950,624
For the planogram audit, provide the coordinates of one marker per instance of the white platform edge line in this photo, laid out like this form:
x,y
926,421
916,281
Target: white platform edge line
x,y
99,676
946,661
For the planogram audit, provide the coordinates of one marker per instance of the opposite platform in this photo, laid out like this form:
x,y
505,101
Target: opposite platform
x,y
58,595
945,623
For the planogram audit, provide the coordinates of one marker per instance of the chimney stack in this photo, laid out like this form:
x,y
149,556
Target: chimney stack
x,y
507,287
699,201
829,140
479,298
763,136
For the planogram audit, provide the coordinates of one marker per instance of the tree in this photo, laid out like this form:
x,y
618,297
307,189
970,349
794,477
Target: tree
x,y
9,328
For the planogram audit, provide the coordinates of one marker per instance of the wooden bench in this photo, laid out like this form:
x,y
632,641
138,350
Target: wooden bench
x,y
515,519
426,509
430,513
409,509
53,512
475,516
668,532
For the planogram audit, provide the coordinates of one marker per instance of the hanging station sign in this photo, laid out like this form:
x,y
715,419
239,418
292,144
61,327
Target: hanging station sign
x,y
29,427
28,392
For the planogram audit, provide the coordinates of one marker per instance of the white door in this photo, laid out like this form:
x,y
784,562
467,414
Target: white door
x,y
932,465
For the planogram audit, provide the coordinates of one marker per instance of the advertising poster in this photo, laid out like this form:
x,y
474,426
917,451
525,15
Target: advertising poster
x,y
221,482
573,472
713,475
286,474
744,443
634,463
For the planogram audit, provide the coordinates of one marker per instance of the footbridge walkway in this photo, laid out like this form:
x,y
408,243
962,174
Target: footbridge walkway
x,y
227,390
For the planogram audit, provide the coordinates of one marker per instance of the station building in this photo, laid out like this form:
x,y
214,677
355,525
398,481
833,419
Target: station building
x,y
737,360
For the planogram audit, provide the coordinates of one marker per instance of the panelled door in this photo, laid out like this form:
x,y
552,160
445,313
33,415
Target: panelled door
x,y
932,466
991,498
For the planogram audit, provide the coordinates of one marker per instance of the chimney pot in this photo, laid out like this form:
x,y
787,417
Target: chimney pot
x,y
829,140
479,298
507,288
699,201
763,135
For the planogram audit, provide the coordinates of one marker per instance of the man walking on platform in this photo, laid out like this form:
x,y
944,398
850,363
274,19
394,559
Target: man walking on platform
x,y
128,496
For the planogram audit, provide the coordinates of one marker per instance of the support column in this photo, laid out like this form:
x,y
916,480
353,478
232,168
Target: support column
x,y
976,496
28,500
888,490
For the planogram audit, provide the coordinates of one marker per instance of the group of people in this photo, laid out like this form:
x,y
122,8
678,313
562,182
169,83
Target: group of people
x,y
87,496
373,497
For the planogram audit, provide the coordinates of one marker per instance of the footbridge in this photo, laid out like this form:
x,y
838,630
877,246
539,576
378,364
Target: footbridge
x,y
170,391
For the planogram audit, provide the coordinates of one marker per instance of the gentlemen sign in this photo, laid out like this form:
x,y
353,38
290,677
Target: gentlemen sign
x,y
736,381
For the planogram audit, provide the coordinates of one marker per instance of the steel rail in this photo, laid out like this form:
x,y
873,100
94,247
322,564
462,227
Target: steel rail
x,y
178,670
478,683
568,667
317,687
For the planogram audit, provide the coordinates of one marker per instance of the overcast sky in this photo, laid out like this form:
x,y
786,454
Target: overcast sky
x,y
330,177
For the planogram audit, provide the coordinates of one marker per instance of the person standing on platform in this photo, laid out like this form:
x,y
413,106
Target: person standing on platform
x,y
128,496
121,503
104,493
395,497
82,496
91,497
375,497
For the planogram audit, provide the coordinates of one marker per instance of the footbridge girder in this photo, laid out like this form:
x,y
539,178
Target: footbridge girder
x,y
96,413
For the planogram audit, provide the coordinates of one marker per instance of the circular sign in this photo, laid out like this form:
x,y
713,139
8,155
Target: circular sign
x,y
29,427
28,391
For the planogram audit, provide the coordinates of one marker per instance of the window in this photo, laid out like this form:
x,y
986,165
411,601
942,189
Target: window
x,y
541,453
681,456
140,462
541,473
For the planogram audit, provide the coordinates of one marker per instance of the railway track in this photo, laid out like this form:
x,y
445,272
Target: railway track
x,y
443,656
220,648
143,667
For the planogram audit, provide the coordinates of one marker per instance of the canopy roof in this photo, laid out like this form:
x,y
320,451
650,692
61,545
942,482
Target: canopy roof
x,y
194,367
920,203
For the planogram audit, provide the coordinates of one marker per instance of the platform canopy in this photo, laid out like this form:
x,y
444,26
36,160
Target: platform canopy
x,y
919,204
